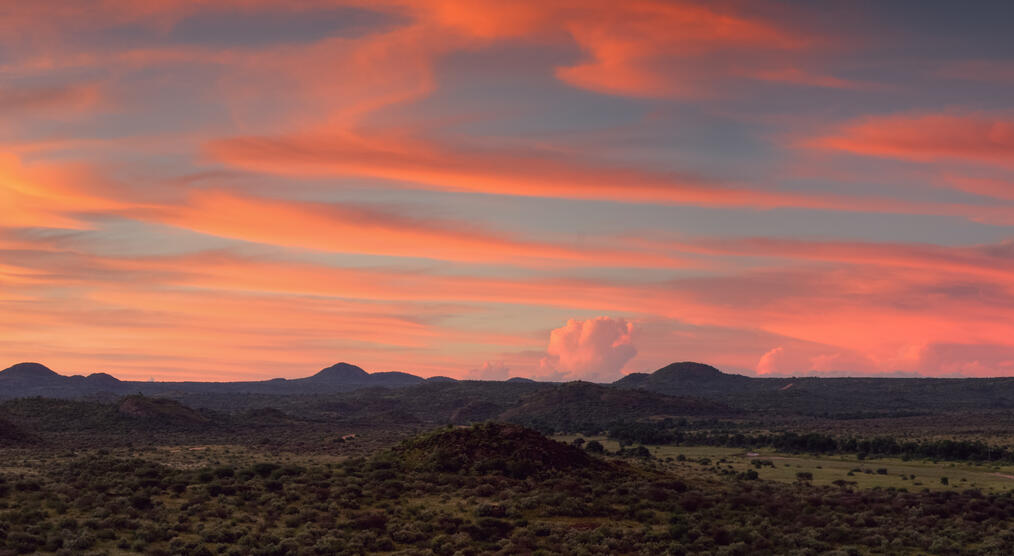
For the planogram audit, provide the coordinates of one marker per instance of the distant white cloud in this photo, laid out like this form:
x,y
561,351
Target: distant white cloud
x,y
490,370
594,349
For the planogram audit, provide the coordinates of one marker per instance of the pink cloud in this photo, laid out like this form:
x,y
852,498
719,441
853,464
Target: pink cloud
x,y
594,349
929,137
490,370
771,362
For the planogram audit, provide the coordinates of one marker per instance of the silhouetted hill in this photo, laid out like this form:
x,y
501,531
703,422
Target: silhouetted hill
x,y
685,378
491,448
33,379
826,396
345,375
394,379
340,373
29,376
104,380
442,400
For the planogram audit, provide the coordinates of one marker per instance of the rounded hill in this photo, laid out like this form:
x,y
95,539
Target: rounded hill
x,y
492,448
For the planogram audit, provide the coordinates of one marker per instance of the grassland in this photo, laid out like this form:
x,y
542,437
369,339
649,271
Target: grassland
x,y
883,473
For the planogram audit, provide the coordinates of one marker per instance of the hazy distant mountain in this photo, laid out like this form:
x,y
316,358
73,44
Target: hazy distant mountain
x,y
466,401
33,379
441,379
858,396
340,373
685,378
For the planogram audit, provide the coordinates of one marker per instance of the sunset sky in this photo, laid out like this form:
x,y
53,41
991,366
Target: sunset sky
x,y
247,189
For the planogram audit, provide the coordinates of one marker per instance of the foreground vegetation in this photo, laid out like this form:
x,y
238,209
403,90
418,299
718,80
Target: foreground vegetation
x,y
406,471
490,488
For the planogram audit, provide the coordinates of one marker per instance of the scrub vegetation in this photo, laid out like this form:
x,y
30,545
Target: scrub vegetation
x,y
496,468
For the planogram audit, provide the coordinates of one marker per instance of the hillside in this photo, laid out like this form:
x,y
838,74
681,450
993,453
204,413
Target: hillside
x,y
491,448
578,405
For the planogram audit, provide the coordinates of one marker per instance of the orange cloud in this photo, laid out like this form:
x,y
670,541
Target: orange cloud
x,y
143,303
144,325
397,157
642,48
362,229
988,261
430,165
49,100
997,189
797,76
52,196
927,138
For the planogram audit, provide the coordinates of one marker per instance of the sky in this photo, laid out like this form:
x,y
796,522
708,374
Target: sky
x,y
248,189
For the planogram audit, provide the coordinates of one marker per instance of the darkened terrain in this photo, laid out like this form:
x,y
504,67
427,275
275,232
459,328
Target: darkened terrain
x,y
685,460
804,395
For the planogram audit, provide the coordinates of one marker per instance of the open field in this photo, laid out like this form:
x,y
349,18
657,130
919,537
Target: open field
x,y
912,475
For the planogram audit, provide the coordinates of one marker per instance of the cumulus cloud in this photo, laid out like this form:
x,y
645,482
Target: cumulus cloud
x,y
771,362
779,361
490,370
594,349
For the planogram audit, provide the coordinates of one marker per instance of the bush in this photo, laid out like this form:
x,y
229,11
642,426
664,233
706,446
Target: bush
x,y
594,447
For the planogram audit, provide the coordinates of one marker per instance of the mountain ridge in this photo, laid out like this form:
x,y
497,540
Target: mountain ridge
x,y
685,379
